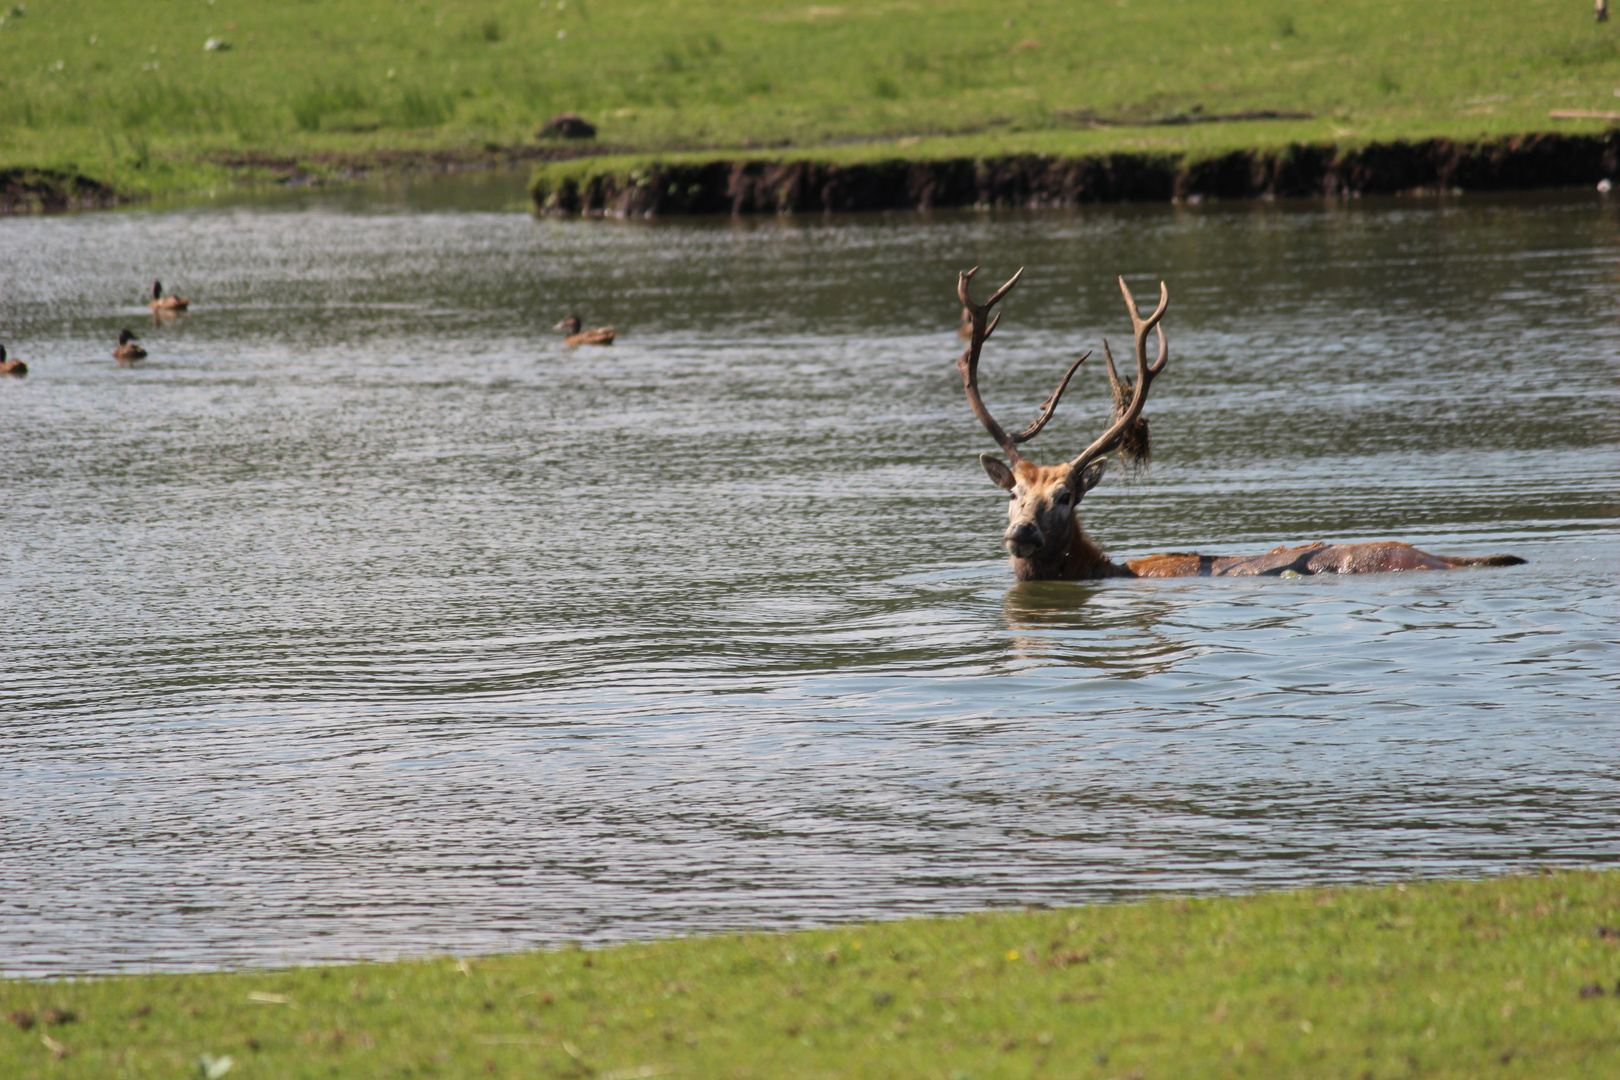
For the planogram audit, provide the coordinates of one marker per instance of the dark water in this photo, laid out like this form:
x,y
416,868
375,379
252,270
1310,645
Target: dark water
x,y
366,620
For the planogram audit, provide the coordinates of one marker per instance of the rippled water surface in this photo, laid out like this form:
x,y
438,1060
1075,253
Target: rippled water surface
x,y
365,619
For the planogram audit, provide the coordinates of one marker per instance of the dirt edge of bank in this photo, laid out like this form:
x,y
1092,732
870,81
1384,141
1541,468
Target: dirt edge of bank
x,y
36,191
737,186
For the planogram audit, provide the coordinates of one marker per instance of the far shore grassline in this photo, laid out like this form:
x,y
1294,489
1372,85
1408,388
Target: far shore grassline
x,y
213,95
1516,976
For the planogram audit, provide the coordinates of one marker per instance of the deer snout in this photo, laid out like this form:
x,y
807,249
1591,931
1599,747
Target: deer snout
x,y
1023,539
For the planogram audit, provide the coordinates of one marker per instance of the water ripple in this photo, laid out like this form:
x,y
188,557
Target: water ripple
x,y
366,620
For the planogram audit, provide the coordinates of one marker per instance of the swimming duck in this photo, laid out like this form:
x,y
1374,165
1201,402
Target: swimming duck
x,y
161,303
602,335
11,367
128,352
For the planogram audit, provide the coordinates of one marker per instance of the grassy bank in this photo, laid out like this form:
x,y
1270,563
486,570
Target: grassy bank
x,y
1436,979
129,93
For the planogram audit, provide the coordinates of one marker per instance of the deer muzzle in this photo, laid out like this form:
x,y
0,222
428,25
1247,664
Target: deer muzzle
x,y
1023,539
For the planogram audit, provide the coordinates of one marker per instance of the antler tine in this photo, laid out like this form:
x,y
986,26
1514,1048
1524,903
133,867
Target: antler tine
x,y
968,362
1050,405
1114,383
1140,325
1004,290
1121,387
1144,372
1137,322
966,276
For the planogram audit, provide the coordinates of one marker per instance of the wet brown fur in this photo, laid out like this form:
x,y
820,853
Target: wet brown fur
x,y
1369,558
1058,548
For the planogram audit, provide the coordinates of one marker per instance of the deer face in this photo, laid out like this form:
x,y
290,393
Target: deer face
x,y
1042,501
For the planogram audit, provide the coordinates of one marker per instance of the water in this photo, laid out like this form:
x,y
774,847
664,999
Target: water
x,y
366,620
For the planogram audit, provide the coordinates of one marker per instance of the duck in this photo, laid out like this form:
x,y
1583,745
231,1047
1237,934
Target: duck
x,y
602,335
128,352
166,304
964,330
11,367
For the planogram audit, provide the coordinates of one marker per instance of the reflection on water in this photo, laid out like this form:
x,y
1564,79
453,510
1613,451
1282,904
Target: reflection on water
x,y
1083,624
366,619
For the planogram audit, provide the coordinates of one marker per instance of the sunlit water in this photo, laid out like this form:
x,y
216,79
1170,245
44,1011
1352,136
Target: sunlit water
x,y
364,619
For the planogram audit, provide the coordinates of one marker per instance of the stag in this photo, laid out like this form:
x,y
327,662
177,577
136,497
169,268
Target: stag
x,y
1044,536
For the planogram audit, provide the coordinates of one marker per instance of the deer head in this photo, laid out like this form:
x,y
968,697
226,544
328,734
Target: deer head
x,y
1043,533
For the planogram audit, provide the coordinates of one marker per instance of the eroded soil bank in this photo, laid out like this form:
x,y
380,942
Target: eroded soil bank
x,y
28,191
755,185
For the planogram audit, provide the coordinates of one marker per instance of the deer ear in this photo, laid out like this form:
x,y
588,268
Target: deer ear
x,y
999,473
1090,475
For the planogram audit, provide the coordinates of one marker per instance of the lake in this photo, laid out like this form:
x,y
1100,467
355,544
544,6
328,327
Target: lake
x,y
366,620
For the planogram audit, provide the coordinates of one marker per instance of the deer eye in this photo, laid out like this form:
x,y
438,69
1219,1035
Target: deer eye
x,y
1061,498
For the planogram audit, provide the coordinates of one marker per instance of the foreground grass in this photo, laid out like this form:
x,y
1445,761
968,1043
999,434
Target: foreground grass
x,y
126,91
1437,979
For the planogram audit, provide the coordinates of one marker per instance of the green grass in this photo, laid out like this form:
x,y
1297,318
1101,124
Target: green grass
x,y
126,91
1434,979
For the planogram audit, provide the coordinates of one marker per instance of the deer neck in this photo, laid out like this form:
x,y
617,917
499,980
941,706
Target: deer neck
x,y
1069,556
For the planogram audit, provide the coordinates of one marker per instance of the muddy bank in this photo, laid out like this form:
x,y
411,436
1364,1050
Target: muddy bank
x,y
746,186
34,191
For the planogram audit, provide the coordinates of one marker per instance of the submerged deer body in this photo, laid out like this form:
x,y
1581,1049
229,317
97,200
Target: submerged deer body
x,y
1043,534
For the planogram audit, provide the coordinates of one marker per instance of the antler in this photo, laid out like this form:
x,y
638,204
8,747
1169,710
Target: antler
x,y
1124,421
968,364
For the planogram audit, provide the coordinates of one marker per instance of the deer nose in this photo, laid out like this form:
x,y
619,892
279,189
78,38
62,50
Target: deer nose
x,y
1023,538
